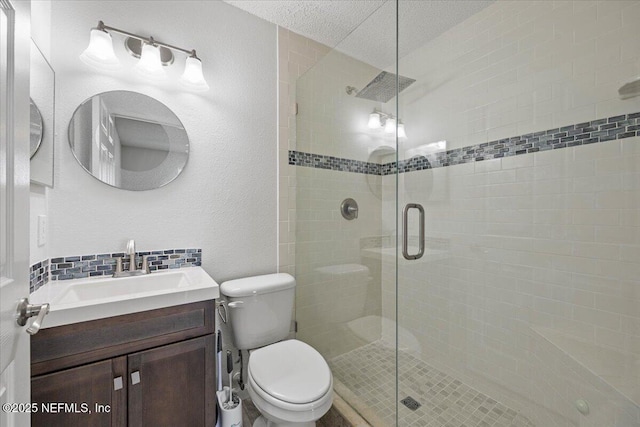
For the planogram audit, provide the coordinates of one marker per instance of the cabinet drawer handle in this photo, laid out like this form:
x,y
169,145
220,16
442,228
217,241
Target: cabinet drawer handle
x,y
117,383
135,377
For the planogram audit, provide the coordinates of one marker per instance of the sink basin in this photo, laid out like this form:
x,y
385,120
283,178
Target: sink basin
x,y
81,300
123,286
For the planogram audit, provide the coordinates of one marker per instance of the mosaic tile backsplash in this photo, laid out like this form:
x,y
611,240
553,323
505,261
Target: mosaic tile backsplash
x,y
97,265
81,266
38,275
595,131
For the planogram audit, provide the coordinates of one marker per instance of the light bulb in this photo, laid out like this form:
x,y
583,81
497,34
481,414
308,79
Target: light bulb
x,y
390,125
150,66
192,77
401,133
374,121
99,54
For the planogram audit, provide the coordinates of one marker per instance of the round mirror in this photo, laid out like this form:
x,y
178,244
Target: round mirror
x,y
36,126
128,140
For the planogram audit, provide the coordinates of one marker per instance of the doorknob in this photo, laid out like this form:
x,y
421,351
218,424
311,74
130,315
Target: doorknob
x,y
26,310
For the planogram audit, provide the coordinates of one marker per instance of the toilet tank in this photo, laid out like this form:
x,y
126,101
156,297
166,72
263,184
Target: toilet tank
x,y
260,308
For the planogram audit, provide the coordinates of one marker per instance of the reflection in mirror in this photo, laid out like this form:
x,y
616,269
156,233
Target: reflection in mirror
x,y
128,140
36,128
42,93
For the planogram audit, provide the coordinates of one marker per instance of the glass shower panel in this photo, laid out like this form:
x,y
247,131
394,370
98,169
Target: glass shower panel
x,y
525,308
345,294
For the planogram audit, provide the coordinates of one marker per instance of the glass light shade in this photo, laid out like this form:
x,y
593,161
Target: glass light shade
x,y
192,77
390,125
374,121
401,133
99,54
150,66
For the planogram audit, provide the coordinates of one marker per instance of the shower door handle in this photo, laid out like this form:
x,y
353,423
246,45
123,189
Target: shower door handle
x,y
405,231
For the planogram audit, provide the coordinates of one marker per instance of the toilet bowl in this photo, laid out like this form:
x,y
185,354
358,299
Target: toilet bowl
x,y
290,384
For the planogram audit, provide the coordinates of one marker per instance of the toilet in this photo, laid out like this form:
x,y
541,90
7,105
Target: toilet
x,y
289,381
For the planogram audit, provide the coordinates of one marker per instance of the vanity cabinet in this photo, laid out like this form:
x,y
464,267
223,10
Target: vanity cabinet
x,y
153,368
92,382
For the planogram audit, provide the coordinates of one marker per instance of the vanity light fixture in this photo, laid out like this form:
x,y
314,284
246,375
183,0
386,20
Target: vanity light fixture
x,y
390,125
401,133
379,119
150,66
374,120
99,53
153,55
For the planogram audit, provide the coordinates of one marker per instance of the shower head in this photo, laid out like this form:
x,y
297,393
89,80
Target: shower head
x,y
631,89
383,87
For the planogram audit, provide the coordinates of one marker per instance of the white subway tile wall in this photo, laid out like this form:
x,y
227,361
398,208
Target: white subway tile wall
x,y
296,54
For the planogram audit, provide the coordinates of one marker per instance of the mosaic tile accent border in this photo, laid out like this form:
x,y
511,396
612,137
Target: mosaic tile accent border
x,y
82,266
38,275
595,131
319,161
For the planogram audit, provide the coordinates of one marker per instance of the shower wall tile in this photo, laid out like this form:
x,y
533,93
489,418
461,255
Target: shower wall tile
x,y
336,284
296,54
503,76
559,253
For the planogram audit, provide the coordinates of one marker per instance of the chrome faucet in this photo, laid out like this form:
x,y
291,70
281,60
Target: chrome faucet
x,y
133,267
131,251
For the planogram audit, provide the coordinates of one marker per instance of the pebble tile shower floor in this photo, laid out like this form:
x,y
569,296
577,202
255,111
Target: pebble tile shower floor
x,y
369,372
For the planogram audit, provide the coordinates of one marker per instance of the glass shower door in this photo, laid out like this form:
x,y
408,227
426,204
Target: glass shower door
x,y
522,147
343,160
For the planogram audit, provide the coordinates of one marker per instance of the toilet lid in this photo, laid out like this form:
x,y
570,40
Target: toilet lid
x,y
291,371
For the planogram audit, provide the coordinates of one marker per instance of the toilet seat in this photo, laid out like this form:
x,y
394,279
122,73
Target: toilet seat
x,y
290,371
284,373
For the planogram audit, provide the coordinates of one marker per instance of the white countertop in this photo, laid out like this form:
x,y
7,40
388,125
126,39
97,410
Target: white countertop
x,y
81,300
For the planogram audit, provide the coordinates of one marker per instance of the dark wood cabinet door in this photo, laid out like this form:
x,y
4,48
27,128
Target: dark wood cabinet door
x,y
84,396
173,385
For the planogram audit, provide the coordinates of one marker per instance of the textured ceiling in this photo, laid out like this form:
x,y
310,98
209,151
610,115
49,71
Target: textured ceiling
x,y
325,21
365,29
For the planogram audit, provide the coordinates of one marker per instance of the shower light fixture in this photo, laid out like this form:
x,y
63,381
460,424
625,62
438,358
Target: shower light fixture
x,y
379,119
154,56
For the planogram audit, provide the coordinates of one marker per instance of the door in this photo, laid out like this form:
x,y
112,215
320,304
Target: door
x,y
89,395
14,206
173,385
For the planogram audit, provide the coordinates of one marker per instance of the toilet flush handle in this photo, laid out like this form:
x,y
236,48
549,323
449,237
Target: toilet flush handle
x,y
235,304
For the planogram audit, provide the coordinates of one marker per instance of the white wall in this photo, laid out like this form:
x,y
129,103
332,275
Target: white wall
x,y
38,197
225,199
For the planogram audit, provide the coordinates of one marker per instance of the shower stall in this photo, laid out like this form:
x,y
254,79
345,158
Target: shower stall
x,y
486,271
